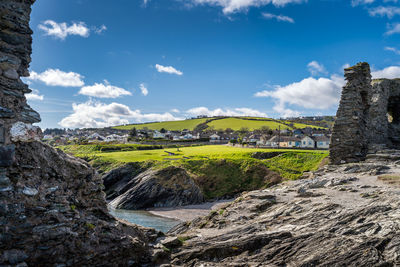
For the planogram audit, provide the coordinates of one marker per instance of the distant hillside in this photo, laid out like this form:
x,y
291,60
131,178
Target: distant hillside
x,y
235,123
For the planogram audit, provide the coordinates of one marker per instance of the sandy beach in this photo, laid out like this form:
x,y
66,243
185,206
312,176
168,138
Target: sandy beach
x,y
190,212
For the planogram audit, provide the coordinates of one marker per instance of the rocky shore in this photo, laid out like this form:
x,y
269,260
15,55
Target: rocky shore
x,y
344,215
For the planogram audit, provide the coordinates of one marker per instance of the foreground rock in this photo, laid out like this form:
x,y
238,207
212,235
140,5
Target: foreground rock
x,y
52,208
344,216
54,212
168,187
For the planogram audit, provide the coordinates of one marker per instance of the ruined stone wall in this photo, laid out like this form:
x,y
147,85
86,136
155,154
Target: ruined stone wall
x,y
15,51
368,118
349,137
52,208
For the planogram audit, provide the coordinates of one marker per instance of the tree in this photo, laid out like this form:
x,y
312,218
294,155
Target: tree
x,y
229,130
243,130
163,130
265,129
133,132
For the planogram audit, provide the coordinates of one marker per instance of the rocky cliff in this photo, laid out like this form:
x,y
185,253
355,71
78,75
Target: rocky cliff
x,y
346,215
52,208
129,188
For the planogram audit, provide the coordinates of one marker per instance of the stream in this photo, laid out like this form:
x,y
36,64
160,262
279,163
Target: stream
x,y
145,218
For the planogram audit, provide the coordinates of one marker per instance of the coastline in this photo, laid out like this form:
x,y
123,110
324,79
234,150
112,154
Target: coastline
x,y
190,212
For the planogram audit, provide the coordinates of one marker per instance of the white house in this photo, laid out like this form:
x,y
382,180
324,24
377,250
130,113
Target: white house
x,y
47,137
307,142
158,135
322,142
95,137
188,136
114,138
214,138
273,142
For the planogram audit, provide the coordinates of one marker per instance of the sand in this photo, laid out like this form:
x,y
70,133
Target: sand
x,y
190,212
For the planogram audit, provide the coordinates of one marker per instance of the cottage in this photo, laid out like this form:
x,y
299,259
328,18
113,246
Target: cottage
x,y
322,142
158,135
95,137
307,142
273,142
292,141
215,138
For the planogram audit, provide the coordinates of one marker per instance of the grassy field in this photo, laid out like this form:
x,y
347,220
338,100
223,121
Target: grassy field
x,y
220,171
169,125
290,164
235,123
198,152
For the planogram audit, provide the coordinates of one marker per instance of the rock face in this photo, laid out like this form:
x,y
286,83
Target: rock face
x,y
54,211
52,208
168,187
368,118
345,216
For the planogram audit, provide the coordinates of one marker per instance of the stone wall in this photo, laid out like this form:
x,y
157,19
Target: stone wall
x,y
368,118
52,208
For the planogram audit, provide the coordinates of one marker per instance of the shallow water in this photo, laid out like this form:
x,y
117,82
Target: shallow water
x,y
145,218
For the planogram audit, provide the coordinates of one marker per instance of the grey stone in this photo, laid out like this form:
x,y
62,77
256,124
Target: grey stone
x,y
171,242
7,154
30,191
6,113
15,256
11,74
2,134
368,117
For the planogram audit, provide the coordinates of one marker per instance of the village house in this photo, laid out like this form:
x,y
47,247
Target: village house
x,y
158,135
116,138
95,137
322,142
215,138
307,142
273,142
292,141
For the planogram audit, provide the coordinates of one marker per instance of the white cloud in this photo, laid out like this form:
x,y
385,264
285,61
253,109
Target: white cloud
x,y
226,112
143,89
361,2
62,30
389,11
392,49
310,93
168,69
145,2
345,66
56,77
96,114
393,28
315,68
100,29
34,96
103,90
278,17
232,6
388,73
175,110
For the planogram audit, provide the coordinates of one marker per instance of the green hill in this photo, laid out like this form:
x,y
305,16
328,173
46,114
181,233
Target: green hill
x,y
235,123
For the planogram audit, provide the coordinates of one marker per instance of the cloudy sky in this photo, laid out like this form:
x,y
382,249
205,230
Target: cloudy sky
x,y
98,63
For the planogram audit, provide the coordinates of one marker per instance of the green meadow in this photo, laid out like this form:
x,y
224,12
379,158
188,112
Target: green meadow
x,y
234,123
290,164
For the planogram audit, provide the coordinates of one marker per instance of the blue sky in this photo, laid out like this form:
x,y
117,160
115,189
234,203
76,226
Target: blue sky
x,y
99,63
